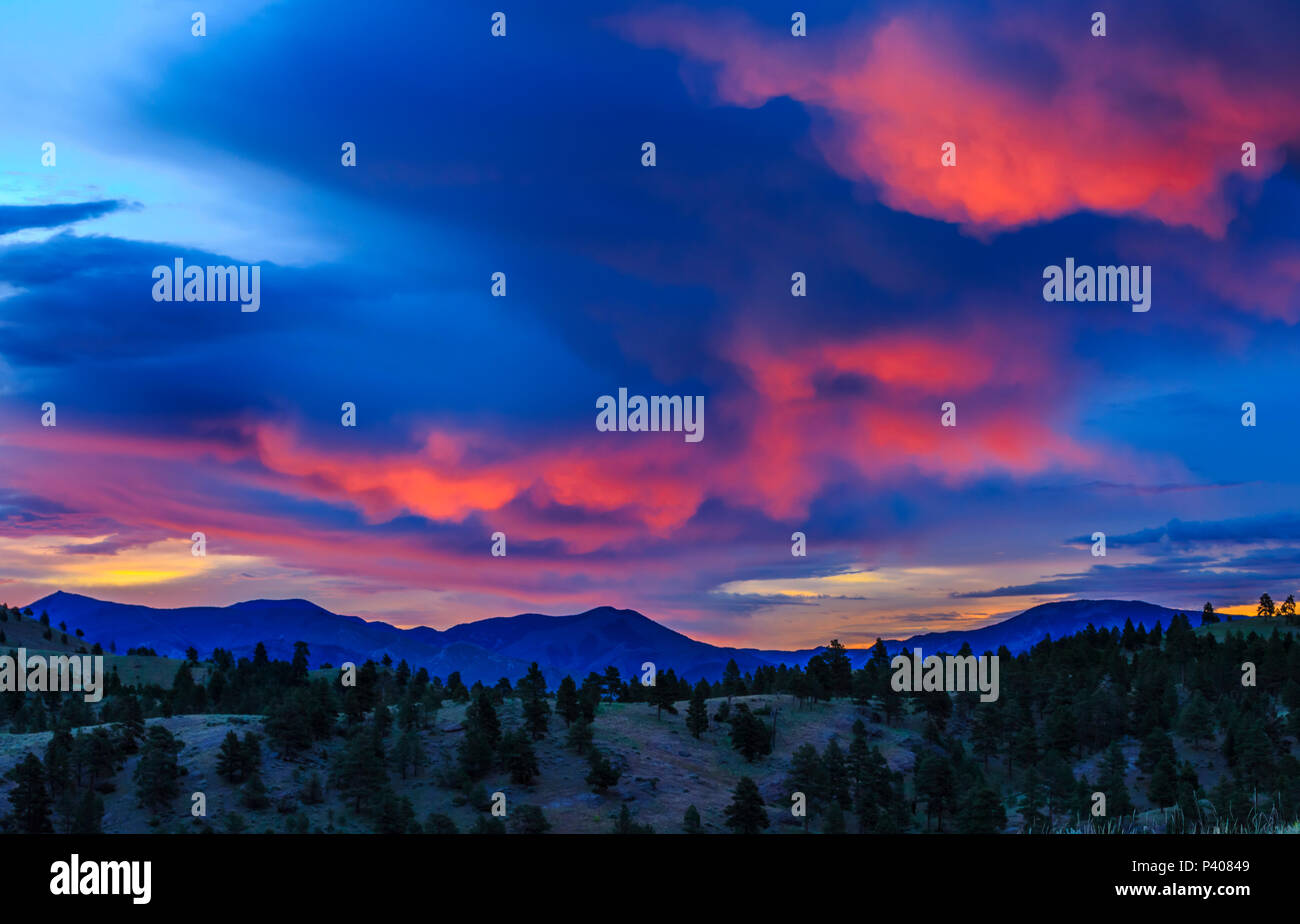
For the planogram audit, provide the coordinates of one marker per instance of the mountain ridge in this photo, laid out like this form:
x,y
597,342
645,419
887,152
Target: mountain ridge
x,y
504,646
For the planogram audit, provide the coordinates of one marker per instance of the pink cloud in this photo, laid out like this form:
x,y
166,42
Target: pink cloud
x,y
892,93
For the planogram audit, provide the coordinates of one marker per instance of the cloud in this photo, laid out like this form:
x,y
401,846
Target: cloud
x,y
1237,531
20,217
1047,119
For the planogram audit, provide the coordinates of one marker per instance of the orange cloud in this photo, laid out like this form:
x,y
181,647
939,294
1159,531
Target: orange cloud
x,y
1123,126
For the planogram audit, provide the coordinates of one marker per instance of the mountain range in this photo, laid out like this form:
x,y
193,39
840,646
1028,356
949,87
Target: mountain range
x,y
504,647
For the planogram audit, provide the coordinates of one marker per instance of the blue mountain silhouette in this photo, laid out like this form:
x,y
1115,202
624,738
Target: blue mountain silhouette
x,y
504,647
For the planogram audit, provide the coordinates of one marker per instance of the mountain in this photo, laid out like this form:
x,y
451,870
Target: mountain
x,y
1033,625
504,647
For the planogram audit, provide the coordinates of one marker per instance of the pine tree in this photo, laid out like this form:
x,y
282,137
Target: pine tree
x,y
808,775
299,665
746,814
838,786
697,715
253,794
487,824
158,772
839,669
529,819
625,824
1113,769
1265,609
90,814
604,773
439,823
358,773
1060,786
481,717
537,710
566,701
833,823
750,735
518,757
230,763
580,736
29,798
935,784
663,695
1156,749
732,684
1163,790
982,813
1196,721
691,821
986,732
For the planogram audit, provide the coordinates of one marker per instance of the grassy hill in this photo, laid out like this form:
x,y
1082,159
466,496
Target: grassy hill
x,y
666,770
1243,626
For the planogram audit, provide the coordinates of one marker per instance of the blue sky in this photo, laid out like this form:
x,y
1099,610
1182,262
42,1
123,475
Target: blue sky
x,y
775,154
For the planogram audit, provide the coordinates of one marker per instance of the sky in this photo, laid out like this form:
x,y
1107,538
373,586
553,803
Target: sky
x,y
775,154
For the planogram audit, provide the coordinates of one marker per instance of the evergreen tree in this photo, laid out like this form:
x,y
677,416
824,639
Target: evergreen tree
x,y
90,814
487,824
697,715
529,819
439,823
580,736
481,718
358,773
475,754
732,684
29,799
518,757
253,795
663,695
158,772
625,824
836,774
691,821
750,735
986,732
935,784
537,711
839,669
833,823
1113,769
982,813
746,814
300,663
1156,749
604,773
1163,790
807,775
1196,721
566,701
230,759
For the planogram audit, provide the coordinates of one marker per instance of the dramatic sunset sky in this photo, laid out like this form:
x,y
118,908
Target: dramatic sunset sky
x,y
775,154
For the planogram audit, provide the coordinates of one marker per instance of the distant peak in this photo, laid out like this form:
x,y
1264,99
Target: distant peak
x,y
611,611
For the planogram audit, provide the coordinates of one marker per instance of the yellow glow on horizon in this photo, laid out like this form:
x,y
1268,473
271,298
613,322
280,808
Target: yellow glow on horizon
x,y
47,561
